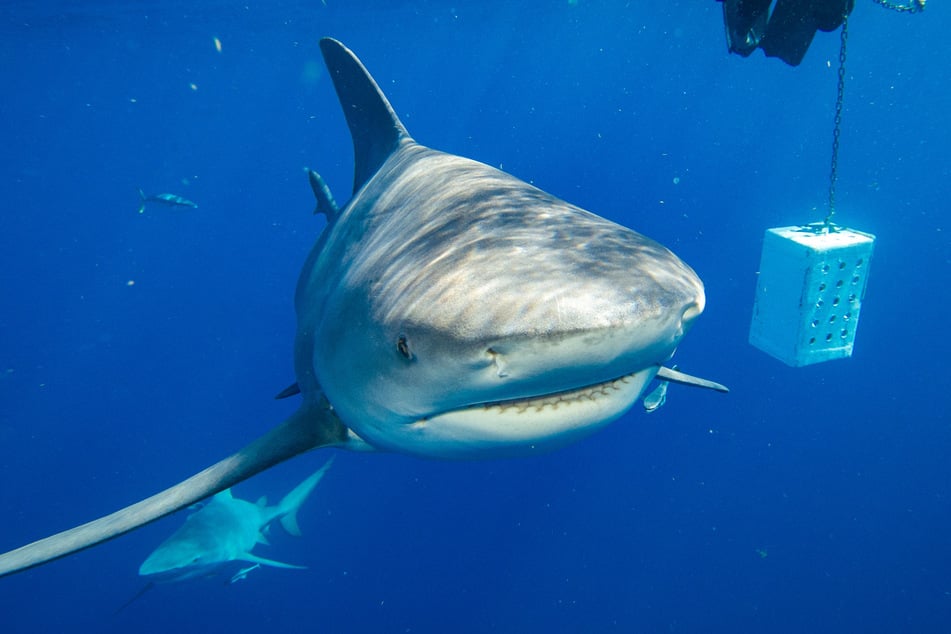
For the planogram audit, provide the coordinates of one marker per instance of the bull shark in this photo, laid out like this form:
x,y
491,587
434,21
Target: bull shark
x,y
225,530
448,310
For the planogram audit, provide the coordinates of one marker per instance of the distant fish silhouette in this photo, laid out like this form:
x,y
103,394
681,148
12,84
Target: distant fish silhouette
x,y
166,199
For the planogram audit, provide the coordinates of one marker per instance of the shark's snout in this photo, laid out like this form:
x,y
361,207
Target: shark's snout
x,y
163,565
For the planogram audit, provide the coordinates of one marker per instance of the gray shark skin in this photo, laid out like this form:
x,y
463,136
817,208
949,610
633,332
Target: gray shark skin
x,y
448,310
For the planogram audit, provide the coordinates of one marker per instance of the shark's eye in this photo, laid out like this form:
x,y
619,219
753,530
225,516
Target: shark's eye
x,y
402,346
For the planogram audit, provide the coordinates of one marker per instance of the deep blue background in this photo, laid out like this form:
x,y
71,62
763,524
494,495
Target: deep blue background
x,y
838,473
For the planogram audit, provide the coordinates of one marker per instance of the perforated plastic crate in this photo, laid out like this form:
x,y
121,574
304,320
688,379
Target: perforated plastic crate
x,y
809,292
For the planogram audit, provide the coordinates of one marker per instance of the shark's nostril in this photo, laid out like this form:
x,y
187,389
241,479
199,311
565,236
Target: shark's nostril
x,y
690,313
499,361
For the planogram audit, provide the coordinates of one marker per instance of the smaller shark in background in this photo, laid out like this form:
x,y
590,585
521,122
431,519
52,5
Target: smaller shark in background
x,y
225,530
170,200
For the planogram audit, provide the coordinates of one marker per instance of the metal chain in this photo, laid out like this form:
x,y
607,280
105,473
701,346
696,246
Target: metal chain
x,y
915,6
840,96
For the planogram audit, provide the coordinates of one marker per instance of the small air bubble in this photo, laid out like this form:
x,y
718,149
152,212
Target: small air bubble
x,y
839,284
859,263
841,265
832,319
829,337
835,302
822,287
856,279
815,323
812,340
844,334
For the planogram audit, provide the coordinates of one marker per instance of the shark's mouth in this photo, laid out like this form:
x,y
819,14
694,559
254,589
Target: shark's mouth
x,y
528,424
565,398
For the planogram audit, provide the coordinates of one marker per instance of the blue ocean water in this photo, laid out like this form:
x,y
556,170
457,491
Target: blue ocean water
x,y
138,349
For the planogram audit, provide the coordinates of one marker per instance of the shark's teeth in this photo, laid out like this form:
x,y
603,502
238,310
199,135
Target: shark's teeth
x,y
498,429
555,400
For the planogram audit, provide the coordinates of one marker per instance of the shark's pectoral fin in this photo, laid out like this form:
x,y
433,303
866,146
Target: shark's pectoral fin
x,y
268,562
312,426
675,376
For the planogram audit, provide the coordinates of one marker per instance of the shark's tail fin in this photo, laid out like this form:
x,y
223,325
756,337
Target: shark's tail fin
x,y
287,509
144,198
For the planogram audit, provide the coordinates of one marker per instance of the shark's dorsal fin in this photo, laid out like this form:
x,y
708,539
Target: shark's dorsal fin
x,y
223,495
374,126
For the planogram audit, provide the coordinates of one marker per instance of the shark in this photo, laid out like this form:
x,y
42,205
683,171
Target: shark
x,y
226,530
448,310
169,200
